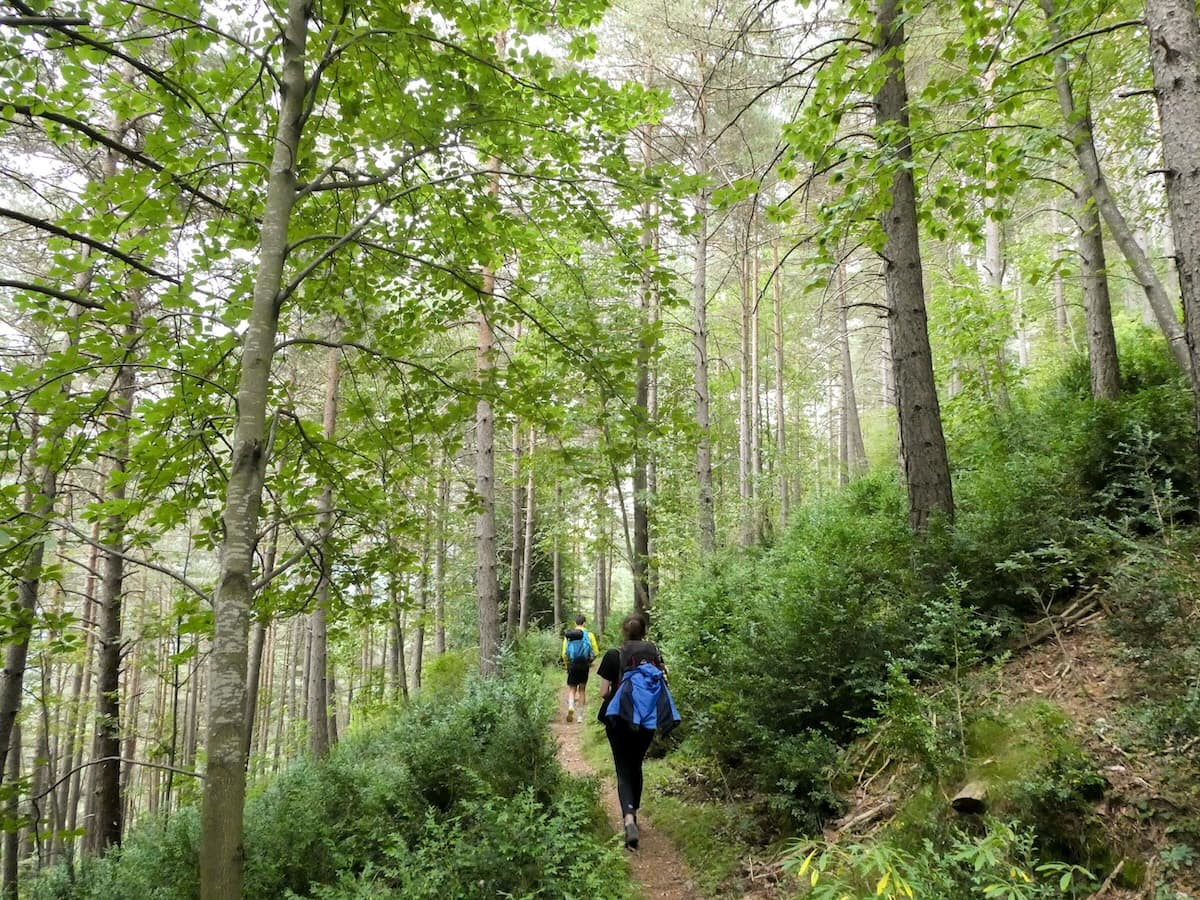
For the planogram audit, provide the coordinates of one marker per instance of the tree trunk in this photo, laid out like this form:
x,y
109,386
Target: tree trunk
x,y
485,467
640,563
221,854
319,691
926,466
756,424
422,612
558,592
1097,308
400,665
107,825
1079,131
44,767
854,461
40,504
1175,61
745,489
439,584
707,523
780,406
12,834
518,552
527,541
133,705
76,718
257,642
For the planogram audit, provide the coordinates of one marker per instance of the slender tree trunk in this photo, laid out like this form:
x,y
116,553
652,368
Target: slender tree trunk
x,y
107,825
401,665
260,724
1175,61
745,491
422,612
258,640
756,418
9,889
708,531
221,854
640,562
780,405
332,722
319,691
855,461
926,466
558,592
76,717
439,585
1079,131
486,589
40,504
527,540
1097,309
41,797
655,316
518,552
133,705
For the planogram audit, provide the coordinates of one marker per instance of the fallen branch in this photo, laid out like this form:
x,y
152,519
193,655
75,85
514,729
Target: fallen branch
x,y
862,818
1109,880
1083,611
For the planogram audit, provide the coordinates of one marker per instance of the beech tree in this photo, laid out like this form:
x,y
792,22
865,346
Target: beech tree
x,y
1175,58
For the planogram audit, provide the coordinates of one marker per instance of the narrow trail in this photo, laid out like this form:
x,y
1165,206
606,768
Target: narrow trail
x,y
656,866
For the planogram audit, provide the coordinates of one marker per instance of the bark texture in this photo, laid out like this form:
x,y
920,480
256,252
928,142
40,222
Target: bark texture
x,y
707,523
922,443
1175,60
320,736
486,587
221,852
1079,132
1097,308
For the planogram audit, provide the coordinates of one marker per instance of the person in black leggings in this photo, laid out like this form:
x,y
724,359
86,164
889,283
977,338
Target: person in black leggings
x,y
628,745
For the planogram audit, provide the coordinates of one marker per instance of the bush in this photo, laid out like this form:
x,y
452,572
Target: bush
x,y
779,654
776,656
467,782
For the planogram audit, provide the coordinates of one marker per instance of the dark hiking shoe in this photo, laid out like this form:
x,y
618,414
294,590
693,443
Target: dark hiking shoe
x,y
631,836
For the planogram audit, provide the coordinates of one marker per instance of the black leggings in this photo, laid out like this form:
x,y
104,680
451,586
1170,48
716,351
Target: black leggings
x,y
628,749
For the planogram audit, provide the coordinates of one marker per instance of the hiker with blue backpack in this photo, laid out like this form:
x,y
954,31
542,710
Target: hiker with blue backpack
x,y
635,705
578,650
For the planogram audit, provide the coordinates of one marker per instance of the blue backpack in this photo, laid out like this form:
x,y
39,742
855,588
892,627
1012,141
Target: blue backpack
x,y
579,646
643,699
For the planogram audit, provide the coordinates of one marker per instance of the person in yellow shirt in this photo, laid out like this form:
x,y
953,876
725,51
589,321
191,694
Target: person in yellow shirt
x,y
579,648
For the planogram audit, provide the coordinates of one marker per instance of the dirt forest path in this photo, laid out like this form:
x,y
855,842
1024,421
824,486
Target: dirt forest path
x,y
656,866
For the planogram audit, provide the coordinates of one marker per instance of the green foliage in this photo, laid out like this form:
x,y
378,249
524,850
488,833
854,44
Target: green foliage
x,y
465,789
446,674
1154,613
1000,863
780,655
775,657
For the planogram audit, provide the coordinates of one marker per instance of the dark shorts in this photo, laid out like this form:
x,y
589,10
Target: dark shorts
x,y
577,673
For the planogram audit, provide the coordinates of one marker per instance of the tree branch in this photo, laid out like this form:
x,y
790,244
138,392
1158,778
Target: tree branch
x,y
21,21
50,292
43,225
1066,42
155,567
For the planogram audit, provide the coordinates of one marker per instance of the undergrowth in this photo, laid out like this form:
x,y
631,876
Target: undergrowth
x,y
783,656
458,795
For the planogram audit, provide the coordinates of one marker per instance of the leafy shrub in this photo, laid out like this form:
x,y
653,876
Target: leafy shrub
x,y
1001,863
775,656
478,775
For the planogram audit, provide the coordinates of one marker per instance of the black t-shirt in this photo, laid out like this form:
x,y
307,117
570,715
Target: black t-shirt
x,y
610,669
